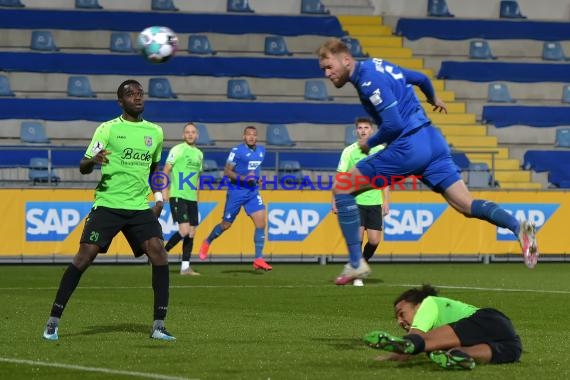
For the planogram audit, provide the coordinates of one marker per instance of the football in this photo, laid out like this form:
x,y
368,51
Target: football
x,y
157,43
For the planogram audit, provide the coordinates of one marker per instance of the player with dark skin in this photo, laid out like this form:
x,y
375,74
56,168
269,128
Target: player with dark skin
x,y
132,104
121,204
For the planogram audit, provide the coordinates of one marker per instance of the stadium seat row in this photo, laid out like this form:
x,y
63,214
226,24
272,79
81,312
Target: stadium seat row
x,y
551,51
314,7
508,9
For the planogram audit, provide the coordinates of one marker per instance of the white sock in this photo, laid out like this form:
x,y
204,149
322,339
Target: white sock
x,y
185,265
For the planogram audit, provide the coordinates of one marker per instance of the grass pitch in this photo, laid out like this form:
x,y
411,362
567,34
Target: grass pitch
x,y
291,323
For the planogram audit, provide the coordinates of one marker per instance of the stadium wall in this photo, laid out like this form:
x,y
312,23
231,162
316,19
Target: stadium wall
x,y
48,222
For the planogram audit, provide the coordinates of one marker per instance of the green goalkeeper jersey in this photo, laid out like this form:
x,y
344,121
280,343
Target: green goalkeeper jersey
x,y
438,311
134,147
349,157
186,161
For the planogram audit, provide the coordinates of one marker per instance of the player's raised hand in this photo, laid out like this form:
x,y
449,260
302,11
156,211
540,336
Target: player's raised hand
x,y
101,157
364,148
438,105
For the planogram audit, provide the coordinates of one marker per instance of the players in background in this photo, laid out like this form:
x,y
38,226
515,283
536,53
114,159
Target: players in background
x,y
455,334
373,204
128,148
413,147
184,161
243,169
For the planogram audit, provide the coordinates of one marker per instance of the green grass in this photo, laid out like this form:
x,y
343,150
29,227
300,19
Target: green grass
x,y
292,323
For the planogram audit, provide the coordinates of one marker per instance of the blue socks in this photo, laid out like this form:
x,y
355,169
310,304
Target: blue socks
x,y
217,231
493,213
349,221
259,241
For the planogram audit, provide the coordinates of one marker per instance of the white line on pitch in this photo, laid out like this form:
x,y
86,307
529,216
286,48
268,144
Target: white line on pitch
x,y
297,287
91,369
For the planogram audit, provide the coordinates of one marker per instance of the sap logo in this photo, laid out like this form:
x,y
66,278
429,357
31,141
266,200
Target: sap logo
x,y
294,221
409,221
53,221
169,227
537,213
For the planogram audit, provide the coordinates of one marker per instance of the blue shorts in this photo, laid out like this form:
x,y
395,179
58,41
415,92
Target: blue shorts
x,y
423,153
235,199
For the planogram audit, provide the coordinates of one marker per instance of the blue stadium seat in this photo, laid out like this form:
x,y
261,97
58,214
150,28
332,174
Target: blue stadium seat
x,y
275,45
278,134
480,49
160,88
163,5
204,136
33,132
566,93
438,8
562,138
79,86
239,6
43,40
88,4
121,42
350,136
479,175
553,51
200,44
291,169
316,90
39,171
11,3
314,7
239,89
510,9
354,46
210,168
5,89
499,93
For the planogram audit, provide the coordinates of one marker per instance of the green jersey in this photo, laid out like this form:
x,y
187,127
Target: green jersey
x,y
438,311
186,161
134,147
349,157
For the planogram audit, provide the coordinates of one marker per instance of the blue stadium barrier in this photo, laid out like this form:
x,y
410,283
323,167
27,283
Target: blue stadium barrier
x,y
504,71
172,111
458,29
283,25
534,116
116,64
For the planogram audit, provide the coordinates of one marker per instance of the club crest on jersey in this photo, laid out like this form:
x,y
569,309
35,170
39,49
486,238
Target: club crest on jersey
x,y
148,141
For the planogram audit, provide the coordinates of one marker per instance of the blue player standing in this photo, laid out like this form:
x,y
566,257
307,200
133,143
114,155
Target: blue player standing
x,y
243,169
414,147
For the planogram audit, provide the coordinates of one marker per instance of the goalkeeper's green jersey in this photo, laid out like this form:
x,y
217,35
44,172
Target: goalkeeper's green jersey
x,y
134,147
438,311
349,157
186,161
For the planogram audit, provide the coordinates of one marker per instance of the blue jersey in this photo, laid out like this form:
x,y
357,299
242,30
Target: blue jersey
x,y
247,160
382,85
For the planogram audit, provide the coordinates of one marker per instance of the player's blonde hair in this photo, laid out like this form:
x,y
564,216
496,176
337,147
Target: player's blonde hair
x,y
332,46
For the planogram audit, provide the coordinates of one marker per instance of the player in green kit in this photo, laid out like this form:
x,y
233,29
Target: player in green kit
x,y
183,166
373,204
456,335
128,148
